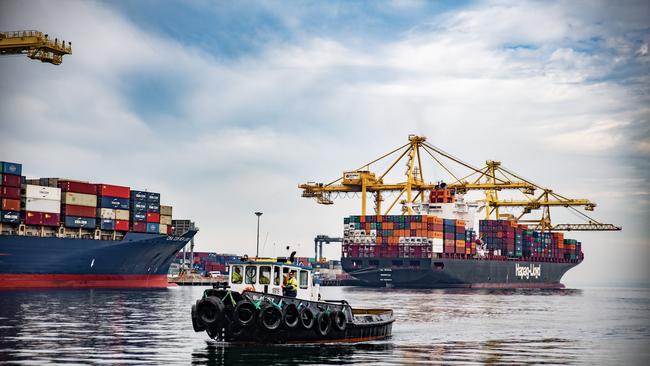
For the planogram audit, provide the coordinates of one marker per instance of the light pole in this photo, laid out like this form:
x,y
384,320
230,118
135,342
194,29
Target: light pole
x,y
257,252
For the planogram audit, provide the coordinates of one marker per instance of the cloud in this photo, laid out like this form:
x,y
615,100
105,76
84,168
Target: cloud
x,y
555,90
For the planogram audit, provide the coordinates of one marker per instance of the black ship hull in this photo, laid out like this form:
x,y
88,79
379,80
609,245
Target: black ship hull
x,y
457,272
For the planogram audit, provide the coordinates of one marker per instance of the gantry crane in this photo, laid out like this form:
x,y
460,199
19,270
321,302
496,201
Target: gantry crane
x,y
490,179
35,45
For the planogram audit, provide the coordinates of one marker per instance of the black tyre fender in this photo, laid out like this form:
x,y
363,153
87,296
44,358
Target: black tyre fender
x,y
210,310
244,313
270,318
339,320
234,330
291,316
307,318
196,323
323,324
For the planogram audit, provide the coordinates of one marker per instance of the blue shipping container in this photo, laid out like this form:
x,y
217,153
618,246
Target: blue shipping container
x,y
113,202
138,196
153,227
83,222
153,197
139,205
153,207
11,217
12,168
107,224
139,215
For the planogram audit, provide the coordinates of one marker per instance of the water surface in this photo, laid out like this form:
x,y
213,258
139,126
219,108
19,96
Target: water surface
x,y
573,326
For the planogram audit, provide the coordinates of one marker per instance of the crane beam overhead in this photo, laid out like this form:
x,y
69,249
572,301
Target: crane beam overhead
x,y
35,45
491,179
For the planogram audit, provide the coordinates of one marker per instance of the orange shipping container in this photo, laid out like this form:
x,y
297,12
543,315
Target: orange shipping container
x,y
438,235
460,242
460,222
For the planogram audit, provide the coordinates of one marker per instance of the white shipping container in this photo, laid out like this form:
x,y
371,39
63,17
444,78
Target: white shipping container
x,y
436,241
42,205
437,249
107,213
42,192
80,199
121,215
162,229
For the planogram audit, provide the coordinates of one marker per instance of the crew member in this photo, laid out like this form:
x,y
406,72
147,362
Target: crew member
x,y
236,275
291,287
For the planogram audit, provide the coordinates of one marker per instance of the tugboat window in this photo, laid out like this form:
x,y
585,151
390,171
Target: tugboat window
x,y
276,276
304,279
236,276
265,275
251,275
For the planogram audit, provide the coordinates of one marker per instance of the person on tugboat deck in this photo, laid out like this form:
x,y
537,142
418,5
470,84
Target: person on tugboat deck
x,y
291,286
236,276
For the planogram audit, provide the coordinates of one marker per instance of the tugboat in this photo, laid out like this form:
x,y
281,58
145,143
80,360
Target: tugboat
x,y
254,306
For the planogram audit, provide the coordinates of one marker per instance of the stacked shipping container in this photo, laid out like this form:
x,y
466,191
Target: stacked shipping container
x,y
425,236
113,207
147,215
10,181
42,205
392,236
60,202
79,203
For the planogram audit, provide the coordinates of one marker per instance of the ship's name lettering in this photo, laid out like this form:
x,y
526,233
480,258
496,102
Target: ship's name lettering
x,y
529,271
178,238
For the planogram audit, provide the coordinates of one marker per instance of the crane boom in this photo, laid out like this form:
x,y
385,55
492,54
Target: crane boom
x,y
35,45
490,179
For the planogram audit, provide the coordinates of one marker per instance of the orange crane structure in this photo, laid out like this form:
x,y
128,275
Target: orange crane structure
x,y
491,179
35,45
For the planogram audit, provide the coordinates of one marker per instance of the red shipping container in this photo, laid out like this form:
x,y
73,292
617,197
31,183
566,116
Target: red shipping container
x,y
153,217
77,187
113,191
11,180
10,192
169,230
33,218
51,219
140,227
10,205
122,225
82,211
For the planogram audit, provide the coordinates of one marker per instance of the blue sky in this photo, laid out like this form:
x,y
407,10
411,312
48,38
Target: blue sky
x,y
226,107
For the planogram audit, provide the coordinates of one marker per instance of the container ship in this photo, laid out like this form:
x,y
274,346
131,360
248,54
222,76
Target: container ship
x,y
440,239
429,251
65,233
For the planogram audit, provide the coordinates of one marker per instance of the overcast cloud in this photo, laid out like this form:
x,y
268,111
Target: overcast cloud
x,y
225,107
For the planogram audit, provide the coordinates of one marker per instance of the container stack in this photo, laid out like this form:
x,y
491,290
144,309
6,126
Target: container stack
x,y
113,207
165,220
78,204
42,205
148,216
10,181
393,236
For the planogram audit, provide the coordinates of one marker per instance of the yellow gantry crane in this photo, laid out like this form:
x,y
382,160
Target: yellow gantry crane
x,y
490,179
35,45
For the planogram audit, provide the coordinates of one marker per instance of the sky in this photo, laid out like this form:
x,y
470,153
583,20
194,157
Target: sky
x,y
225,107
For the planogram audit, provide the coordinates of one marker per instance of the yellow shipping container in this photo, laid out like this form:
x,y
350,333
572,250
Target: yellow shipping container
x,y
80,199
162,229
121,215
166,210
166,220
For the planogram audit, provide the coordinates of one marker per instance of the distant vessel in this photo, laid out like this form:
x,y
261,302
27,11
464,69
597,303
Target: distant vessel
x,y
65,233
437,240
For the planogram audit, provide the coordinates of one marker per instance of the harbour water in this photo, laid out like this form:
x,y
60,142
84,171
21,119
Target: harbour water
x,y
574,326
